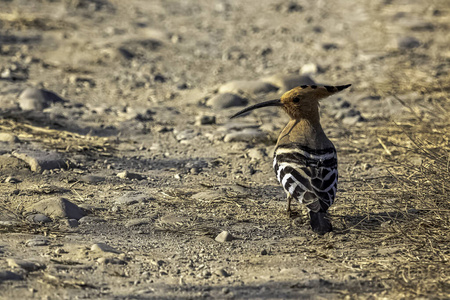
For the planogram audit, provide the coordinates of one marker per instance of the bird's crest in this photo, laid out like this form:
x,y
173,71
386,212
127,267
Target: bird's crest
x,y
310,92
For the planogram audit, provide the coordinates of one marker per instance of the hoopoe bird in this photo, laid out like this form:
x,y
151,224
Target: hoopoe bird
x,y
305,160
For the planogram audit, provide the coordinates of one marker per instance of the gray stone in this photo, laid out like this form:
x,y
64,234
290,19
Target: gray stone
x,y
38,218
37,99
111,260
289,81
130,175
39,241
8,275
7,137
10,179
246,135
352,120
130,198
102,247
205,120
71,223
40,161
26,265
185,135
247,87
9,223
224,236
92,178
57,208
221,273
309,69
257,154
407,42
90,220
222,101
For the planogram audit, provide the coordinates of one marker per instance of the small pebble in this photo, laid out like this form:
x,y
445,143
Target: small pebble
x,y
26,265
224,236
8,137
407,42
8,275
102,247
40,161
227,100
57,208
130,175
38,218
10,179
205,120
41,241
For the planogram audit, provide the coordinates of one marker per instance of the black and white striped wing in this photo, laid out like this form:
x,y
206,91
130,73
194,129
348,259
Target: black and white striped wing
x,y
308,175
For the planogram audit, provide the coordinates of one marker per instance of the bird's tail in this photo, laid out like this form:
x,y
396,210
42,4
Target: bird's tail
x,y
320,222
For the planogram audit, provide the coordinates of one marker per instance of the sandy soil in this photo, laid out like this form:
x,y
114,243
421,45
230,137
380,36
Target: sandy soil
x,y
136,77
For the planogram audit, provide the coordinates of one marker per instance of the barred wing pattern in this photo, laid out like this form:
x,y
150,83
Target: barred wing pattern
x,y
308,175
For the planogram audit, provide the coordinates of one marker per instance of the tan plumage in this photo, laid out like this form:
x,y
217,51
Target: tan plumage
x,y
305,160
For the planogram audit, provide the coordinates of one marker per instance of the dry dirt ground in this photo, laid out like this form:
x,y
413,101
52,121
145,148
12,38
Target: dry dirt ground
x,y
136,78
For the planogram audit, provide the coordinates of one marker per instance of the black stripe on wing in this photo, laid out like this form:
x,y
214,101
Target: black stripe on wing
x,y
297,158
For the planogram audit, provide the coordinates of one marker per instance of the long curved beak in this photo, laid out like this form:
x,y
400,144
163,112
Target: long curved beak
x,y
276,102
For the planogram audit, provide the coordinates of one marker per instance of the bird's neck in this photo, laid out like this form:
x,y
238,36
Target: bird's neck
x,y
305,131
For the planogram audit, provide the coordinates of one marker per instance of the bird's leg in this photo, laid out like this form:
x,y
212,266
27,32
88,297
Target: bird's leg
x,y
288,207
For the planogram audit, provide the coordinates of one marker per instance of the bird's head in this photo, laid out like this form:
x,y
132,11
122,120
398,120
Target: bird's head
x,y
300,102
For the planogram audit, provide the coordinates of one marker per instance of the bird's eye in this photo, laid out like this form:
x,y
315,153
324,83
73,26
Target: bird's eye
x,y
296,100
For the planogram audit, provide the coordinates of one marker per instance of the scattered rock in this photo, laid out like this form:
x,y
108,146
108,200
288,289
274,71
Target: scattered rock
x,y
71,223
130,175
257,154
38,218
288,82
138,222
221,273
9,223
309,69
111,260
205,120
58,208
185,135
264,252
38,99
90,220
224,236
407,42
39,241
130,198
91,178
353,120
247,86
329,46
102,247
422,26
8,275
40,161
8,138
247,135
222,101
10,179
26,265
